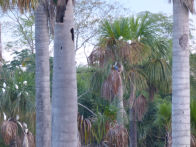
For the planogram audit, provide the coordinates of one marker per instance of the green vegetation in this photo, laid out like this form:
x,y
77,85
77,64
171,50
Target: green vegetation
x,y
133,54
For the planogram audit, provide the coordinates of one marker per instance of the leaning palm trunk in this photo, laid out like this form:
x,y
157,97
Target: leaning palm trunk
x,y
64,97
43,111
180,77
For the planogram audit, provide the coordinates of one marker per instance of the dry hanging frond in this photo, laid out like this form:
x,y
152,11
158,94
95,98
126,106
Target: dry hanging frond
x,y
117,136
9,131
97,57
111,85
31,139
140,107
193,141
85,129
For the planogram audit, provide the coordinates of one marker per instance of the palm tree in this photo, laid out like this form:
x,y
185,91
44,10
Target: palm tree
x,y
64,96
181,73
43,113
112,88
43,106
134,43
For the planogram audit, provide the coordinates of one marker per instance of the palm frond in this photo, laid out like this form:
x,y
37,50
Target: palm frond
x,y
140,106
22,5
158,72
85,129
117,136
110,87
9,130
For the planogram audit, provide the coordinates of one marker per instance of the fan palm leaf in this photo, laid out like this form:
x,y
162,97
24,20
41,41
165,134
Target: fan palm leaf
x,y
9,130
159,71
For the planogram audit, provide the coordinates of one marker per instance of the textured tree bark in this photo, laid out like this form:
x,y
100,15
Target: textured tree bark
x,y
1,58
180,77
64,96
120,113
43,106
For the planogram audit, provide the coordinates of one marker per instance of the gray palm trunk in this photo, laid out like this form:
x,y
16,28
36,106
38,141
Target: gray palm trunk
x,y
121,112
64,96
1,58
180,77
43,106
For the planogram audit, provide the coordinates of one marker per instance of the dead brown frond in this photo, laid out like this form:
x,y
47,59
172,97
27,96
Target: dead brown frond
x,y
22,5
97,56
85,129
31,139
9,131
110,87
193,141
135,52
140,106
117,136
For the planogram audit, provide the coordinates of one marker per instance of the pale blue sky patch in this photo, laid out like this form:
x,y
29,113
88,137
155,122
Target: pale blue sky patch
x,y
154,6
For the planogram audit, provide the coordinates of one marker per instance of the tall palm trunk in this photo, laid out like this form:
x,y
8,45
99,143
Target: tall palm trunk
x,y
43,106
180,77
1,58
64,97
121,111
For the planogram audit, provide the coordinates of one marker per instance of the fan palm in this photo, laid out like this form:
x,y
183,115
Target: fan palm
x,y
181,73
130,41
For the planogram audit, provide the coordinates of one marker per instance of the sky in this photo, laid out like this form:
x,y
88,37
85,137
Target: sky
x,y
154,6
134,6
